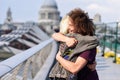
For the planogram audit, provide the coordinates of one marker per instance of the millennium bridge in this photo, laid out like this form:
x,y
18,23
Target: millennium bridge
x,y
35,62
32,63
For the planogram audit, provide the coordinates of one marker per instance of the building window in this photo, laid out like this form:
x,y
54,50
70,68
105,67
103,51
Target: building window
x,y
50,16
42,15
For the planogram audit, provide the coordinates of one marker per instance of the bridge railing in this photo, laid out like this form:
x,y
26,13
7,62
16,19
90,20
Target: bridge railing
x,y
109,37
32,64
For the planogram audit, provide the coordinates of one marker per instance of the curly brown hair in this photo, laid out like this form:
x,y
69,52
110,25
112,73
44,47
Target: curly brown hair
x,y
81,21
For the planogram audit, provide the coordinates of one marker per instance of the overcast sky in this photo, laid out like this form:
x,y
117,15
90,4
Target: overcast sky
x,y
27,10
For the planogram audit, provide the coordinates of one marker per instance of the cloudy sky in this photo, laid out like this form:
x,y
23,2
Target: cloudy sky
x,y
27,10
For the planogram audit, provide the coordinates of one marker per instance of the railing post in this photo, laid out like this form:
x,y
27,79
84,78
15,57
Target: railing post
x,y
116,42
104,40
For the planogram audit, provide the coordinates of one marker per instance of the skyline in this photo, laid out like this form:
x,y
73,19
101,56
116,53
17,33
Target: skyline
x,y
28,10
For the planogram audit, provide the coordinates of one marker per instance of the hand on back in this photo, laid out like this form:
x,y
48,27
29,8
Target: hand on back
x,y
70,42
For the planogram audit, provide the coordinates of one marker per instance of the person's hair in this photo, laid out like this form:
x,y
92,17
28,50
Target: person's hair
x,y
81,21
63,25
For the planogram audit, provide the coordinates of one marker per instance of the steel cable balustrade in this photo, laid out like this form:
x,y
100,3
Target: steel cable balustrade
x,y
9,68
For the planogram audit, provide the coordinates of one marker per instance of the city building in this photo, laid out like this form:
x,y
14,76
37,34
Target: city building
x,y
49,16
97,18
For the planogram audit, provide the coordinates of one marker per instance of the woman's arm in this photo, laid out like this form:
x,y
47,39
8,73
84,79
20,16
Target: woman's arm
x,y
60,37
69,41
73,67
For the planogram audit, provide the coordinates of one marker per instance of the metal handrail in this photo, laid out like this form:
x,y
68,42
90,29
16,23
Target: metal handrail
x,y
10,63
44,71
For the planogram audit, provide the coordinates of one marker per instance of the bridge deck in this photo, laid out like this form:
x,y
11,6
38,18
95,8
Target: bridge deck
x,y
107,70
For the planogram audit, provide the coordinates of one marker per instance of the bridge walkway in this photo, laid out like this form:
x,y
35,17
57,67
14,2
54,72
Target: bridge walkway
x,y
107,70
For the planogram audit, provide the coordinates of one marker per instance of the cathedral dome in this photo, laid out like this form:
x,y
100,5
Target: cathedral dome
x,y
49,16
49,3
